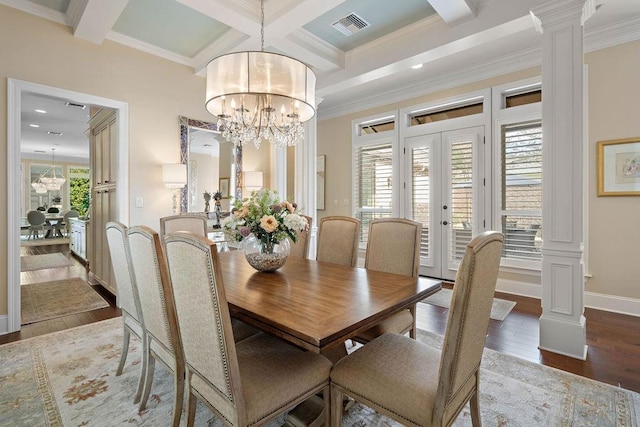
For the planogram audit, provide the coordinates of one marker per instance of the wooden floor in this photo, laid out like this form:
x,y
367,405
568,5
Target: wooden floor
x,y
613,339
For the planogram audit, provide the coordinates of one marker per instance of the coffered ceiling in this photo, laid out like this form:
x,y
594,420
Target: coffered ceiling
x,y
456,41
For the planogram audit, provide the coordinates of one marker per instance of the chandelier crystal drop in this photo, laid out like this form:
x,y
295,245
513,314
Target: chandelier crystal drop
x,y
260,95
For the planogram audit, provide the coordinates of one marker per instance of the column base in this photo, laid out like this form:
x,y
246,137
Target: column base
x,y
562,337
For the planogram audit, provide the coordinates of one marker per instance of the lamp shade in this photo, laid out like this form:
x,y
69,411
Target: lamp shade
x,y
174,175
253,180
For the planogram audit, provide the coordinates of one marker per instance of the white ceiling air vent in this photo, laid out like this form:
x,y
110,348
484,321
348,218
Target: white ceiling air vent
x,y
74,105
56,133
350,24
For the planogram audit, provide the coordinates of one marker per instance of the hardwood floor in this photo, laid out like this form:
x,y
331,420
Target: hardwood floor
x,y
613,355
45,275
613,339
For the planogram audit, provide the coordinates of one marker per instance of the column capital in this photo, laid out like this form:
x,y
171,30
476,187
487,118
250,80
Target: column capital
x,y
559,11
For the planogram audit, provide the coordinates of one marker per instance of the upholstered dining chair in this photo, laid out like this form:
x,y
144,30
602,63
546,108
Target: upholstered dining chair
x,y
65,224
128,296
245,383
195,223
158,311
338,238
36,220
381,373
393,246
300,248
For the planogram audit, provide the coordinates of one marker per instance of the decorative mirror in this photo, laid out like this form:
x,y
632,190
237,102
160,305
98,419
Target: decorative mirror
x,y
209,158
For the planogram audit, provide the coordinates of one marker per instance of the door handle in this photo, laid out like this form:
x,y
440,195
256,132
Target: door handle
x,y
445,223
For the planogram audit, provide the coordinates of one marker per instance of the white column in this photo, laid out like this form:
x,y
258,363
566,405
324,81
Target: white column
x,y
305,179
562,324
278,176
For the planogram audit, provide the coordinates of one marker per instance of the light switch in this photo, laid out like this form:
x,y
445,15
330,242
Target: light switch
x,y
345,202
139,202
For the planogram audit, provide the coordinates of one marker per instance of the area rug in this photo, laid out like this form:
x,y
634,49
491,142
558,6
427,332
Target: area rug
x,y
39,262
44,242
48,300
67,379
499,310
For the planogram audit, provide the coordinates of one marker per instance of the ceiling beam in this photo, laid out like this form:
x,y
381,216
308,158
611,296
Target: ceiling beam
x,y
92,20
452,11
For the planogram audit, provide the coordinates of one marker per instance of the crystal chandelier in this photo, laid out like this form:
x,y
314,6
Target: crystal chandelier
x,y
44,183
260,95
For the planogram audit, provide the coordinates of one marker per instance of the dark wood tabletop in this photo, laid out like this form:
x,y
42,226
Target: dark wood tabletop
x,y
317,305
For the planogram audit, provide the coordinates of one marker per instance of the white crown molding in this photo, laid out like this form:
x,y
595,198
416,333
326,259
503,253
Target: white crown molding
x,y
225,44
492,68
612,35
74,12
148,48
329,57
36,9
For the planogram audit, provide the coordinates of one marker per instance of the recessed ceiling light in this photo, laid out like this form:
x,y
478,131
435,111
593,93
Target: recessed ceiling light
x,y
34,126
41,111
417,66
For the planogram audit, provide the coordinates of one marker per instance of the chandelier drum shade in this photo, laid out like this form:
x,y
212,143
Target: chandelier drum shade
x,y
260,95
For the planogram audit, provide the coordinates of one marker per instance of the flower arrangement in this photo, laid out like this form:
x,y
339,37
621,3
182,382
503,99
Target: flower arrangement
x,y
266,217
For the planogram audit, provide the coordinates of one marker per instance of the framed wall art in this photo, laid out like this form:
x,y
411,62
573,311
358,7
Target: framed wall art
x,y
618,163
224,187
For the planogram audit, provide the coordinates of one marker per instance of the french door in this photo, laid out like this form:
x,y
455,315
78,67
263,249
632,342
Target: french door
x,y
443,190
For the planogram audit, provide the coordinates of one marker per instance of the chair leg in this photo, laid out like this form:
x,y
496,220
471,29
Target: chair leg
x,y
412,332
191,400
148,380
335,412
143,368
474,404
125,350
178,385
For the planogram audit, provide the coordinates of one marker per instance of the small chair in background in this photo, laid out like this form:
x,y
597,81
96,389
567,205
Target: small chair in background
x,y
300,249
419,385
65,224
36,220
194,223
338,238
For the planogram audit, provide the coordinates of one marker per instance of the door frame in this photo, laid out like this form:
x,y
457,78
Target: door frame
x,y
15,89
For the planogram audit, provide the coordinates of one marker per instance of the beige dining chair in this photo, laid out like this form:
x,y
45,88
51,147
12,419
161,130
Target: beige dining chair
x,y
338,238
245,383
195,223
393,246
300,249
418,385
128,297
158,311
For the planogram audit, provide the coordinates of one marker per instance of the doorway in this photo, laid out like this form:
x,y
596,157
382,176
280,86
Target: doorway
x,y
16,89
444,188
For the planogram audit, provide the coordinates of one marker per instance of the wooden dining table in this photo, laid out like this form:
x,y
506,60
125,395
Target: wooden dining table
x,y
317,305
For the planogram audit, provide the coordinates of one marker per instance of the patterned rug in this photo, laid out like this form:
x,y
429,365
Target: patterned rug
x,y
499,310
48,300
67,379
39,262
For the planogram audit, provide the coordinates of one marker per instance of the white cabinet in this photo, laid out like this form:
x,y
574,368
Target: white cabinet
x,y
103,153
78,237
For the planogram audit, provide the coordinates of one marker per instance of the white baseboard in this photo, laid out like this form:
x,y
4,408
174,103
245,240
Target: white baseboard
x,y
524,289
612,303
4,324
615,304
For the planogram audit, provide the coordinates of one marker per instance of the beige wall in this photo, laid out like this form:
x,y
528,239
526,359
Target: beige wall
x,y
614,222
156,90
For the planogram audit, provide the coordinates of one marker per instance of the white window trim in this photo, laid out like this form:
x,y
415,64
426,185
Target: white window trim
x,y
505,116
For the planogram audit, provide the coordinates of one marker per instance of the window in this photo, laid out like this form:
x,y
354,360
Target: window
x,y
521,190
79,189
373,184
